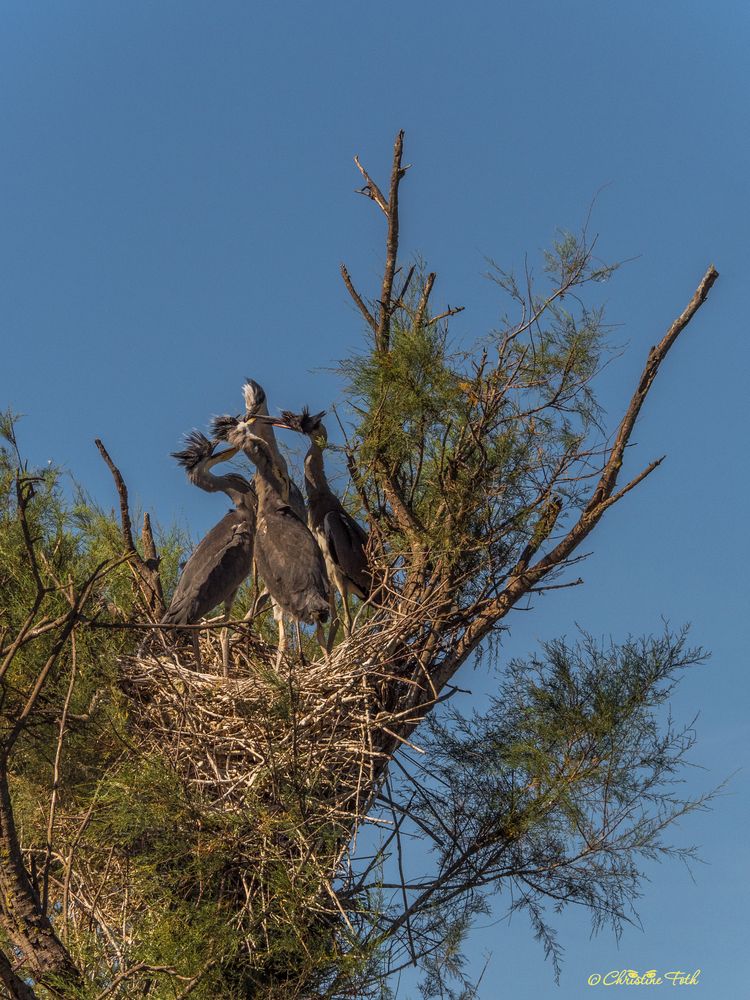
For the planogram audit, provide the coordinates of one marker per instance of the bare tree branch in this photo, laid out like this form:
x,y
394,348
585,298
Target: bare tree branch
x,y
122,493
371,190
655,357
382,336
152,562
446,314
146,571
635,482
369,318
601,499
424,299
17,988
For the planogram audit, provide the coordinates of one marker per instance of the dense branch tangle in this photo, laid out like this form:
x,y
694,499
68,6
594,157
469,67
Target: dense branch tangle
x,y
49,590
485,472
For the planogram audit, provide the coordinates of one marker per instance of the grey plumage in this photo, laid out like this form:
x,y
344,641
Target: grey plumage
x,y
341,539
346,541
223,559
291,564
286,554
218,567
256,406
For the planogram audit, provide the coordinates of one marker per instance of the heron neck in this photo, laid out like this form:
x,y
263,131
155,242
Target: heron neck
x,y
241,498
268,483
221,484
315,475
266,434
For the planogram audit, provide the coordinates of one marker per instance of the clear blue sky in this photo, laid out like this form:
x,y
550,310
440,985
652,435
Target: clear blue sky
x,y
176,187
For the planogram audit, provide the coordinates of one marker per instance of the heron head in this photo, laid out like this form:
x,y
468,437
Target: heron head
x,y
312,425
199,454
254,396
237,432
197,449
303,423
222,427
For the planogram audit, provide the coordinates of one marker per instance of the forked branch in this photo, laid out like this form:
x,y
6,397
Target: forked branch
x,y
369,318
381,325
604,496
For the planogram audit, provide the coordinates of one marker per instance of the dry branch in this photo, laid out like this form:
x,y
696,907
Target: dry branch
x,y
145,571
655,357
424,299
382,337
371,190
387,303
602,498
369,318
122,494
16,987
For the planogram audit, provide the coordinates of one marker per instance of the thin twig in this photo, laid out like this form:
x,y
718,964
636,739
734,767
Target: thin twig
x,y
56,775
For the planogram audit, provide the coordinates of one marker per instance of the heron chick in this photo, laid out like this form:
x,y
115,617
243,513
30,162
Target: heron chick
x,y
286,554
223,559
256,406
342,540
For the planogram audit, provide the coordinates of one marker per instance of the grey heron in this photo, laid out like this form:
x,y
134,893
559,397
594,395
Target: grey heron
x,y
256,409
342,540
223,559
286,554
256,405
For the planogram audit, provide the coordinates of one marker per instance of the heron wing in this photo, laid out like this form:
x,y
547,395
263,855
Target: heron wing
x,y
297,501
291,564
346,542
219,564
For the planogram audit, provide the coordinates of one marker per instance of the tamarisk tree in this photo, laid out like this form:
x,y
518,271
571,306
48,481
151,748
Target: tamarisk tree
x,y
167,831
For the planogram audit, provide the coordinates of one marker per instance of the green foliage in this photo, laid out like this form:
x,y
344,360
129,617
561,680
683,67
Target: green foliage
x,y
452,445
555,793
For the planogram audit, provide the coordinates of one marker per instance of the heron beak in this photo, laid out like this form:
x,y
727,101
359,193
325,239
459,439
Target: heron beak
x,y
221,456
275,422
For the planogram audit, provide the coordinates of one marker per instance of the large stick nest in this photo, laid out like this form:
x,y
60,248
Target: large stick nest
x,y
293,754
260,727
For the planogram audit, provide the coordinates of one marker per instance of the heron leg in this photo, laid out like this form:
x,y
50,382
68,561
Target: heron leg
x,y
225,651
334,619
300,651
322,642
256,589
278,615
225,634
347,612
194,638
258,605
